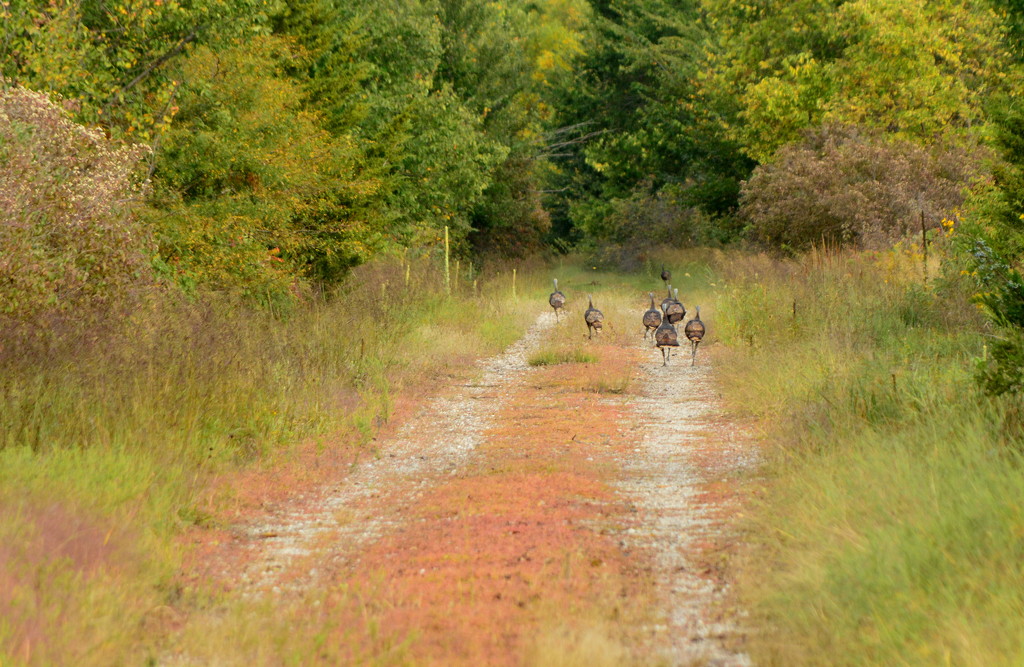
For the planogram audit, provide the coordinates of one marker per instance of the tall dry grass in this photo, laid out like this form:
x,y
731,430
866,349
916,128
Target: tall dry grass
x,y
117,426
890,526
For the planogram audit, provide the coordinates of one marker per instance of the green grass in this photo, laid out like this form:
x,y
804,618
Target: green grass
x,y
119,429
552,355
891,521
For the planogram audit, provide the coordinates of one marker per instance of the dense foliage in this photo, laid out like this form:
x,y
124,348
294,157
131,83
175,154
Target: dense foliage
x,y
292,140
640,132
918,70
842,186
68,241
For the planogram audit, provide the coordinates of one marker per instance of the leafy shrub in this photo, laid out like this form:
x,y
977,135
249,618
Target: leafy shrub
x,y
843,185
67,234
1002,299
645,218
654,219
626,231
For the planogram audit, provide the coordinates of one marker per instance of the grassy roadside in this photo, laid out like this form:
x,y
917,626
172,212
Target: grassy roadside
x,y
890,524
107,445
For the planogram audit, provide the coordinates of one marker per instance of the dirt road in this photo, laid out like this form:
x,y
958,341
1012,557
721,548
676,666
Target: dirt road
x,y
533,515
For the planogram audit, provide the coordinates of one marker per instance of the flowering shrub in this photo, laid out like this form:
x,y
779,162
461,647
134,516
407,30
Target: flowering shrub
x,y
67,239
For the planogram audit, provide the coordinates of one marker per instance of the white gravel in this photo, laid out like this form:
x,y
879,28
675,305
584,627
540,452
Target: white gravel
x,y
679,410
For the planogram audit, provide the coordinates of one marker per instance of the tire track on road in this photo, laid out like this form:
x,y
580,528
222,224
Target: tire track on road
x,y
330,526
681,422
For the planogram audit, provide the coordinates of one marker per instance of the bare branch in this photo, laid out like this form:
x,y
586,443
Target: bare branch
x,y
170,53
565,129
582,139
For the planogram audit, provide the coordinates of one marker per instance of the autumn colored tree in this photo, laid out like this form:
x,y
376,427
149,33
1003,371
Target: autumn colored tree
x,y
843,186
112,60
70,244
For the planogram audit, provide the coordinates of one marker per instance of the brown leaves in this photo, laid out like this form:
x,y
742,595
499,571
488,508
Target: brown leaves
x,y
841,184
69,241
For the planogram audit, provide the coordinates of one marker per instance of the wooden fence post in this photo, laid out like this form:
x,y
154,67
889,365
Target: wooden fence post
x,y
447,256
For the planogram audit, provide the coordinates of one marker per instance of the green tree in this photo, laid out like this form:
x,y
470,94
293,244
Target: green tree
x,y
448,105
502,59
637,120
919,70
252,191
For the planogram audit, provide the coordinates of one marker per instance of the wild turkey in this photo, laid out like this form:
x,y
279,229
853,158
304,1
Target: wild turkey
x,y
594,318
665,275
666,337
675,311
694,331
667,300
652,318
557,299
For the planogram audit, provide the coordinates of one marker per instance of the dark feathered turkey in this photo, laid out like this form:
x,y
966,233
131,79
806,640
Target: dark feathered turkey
x,y
557,299
667,300
675,312
694,332
652,317
666,337
593,317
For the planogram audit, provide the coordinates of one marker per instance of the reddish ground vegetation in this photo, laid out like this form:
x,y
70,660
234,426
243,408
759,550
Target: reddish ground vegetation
x,y
490,557
54,548
215,553
481,565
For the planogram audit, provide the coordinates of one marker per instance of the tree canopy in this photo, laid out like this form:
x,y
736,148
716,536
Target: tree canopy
x,y
289,141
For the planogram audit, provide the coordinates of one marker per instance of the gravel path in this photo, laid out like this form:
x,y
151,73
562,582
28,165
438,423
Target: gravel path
x,y
436,441
684,444
680,414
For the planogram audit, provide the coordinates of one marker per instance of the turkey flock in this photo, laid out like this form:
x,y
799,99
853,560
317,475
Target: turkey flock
x,y
661,322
